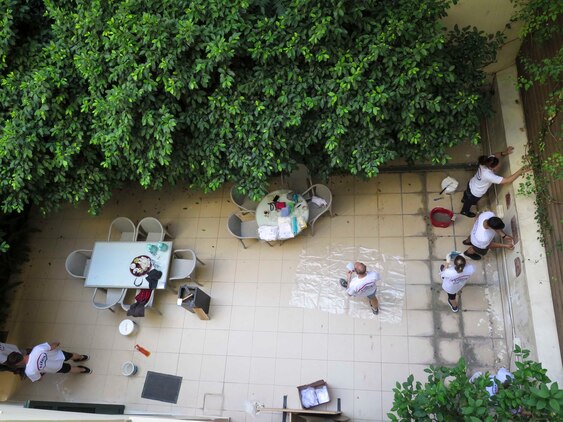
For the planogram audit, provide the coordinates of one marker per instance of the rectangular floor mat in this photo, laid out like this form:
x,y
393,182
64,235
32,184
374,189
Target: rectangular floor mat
x,y
162,387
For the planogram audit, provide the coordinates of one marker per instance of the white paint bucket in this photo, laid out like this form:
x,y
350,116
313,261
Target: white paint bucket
x,y
127,327
128,369
449,185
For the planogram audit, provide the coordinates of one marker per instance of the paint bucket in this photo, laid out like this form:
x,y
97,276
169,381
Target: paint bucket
x,y
127,327
441,217
128,369
449,185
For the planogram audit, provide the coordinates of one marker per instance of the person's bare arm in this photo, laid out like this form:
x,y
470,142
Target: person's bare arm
x,y
504,153
513,177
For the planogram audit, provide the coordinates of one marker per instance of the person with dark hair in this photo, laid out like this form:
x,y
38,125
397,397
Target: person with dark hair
x,y
47,358
482,235
484,178
362,283
454,279
6,349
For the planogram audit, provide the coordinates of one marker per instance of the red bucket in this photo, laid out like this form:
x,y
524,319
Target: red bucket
x,y
441,217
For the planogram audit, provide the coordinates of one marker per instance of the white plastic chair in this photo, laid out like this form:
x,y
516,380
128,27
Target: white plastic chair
x,y
242,201
183,264
299,180
150,229
242,229
315,211
123,227
113,297
148,305
77,263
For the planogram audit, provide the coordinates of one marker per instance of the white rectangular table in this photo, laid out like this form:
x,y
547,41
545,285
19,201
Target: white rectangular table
x,y
110,262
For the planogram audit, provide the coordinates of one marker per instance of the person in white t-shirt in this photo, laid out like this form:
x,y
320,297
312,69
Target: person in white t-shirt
x,y
503,376
454,279
484,178
362,283
47,358
486,227
5,350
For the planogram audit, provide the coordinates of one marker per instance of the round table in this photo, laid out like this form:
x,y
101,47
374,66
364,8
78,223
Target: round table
x,y
265,216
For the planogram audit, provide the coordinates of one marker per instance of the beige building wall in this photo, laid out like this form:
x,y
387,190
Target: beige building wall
x,y
489,16
524,273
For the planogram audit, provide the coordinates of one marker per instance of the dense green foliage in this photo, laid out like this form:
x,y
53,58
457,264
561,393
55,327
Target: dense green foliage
x,y
542,30
449,396
98,94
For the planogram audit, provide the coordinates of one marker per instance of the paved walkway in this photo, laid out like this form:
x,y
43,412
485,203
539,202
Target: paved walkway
x,y
256,347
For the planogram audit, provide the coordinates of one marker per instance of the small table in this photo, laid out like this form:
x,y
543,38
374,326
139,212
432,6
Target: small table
x,y
109,265
267,217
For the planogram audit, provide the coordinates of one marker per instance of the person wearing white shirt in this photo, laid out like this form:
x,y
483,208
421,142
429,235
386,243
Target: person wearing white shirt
x,y
454,279
482,235
484,178
48,358
5,350
362,283
503,376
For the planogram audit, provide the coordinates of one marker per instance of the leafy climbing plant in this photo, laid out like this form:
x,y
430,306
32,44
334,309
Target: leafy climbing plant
x,y
101,94
541,23
449,396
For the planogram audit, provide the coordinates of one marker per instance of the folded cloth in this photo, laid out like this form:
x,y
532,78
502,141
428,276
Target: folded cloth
x,y
318,201
144,295
137,309
285,228
268,233
152,277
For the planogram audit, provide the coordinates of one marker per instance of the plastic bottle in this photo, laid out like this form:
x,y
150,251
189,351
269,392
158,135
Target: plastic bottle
x,y
142,350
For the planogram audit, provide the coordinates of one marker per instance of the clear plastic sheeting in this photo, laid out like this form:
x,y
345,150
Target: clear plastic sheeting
x,y
317,285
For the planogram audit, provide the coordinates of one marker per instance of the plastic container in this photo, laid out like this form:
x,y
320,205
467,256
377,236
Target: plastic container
x,y
142,350
449,185
127,327
441,217
129,369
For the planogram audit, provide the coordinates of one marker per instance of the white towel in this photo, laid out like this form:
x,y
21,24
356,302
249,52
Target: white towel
x,y
268,233
285,228
320,202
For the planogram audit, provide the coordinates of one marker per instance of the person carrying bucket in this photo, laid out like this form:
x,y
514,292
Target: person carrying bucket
x,y
484,178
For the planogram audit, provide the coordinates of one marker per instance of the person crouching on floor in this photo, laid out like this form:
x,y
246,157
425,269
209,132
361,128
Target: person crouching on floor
x,y
482,235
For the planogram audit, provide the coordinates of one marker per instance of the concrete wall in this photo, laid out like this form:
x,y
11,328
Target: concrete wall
x,y
528,293
489,16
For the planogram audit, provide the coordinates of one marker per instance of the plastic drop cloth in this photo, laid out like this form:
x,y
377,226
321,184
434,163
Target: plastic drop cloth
x,y
317,282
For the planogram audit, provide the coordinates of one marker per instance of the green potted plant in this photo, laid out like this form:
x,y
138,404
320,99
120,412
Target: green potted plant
x,y
450,395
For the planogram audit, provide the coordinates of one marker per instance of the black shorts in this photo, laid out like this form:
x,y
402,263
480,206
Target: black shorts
x,y
451,296
480,251
65,369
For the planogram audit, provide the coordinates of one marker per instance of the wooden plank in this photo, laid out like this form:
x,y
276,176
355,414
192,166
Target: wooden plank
x,y
300,411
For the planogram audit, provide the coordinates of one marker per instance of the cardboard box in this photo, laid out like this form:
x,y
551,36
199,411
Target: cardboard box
x,y
313,394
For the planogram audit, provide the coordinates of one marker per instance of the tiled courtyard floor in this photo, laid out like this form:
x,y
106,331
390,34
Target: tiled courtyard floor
x,y
256,347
